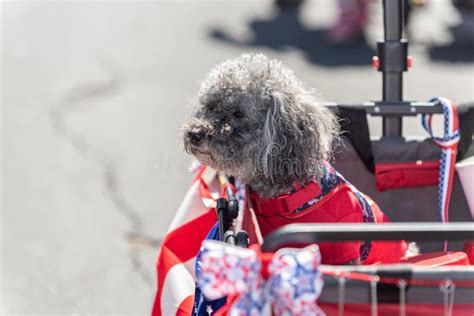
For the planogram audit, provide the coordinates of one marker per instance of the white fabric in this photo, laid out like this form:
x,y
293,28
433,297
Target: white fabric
x,y
178,285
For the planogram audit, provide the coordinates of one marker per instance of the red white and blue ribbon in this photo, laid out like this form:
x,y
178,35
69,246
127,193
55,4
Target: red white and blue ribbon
x,y
448,143
294,280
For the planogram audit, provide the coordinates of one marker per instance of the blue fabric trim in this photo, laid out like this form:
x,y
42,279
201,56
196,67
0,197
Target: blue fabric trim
x,y
203,306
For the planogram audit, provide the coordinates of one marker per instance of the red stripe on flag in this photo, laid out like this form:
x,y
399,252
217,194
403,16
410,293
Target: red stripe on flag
x,y
186,306
199,173
179,246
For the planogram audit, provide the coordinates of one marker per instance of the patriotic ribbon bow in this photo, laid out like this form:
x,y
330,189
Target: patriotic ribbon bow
x,y
293,285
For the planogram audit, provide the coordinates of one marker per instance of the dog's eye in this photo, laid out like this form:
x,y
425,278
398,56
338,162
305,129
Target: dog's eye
x,y
218,121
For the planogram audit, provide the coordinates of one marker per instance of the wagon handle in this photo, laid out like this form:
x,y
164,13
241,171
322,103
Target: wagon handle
x,y
313,233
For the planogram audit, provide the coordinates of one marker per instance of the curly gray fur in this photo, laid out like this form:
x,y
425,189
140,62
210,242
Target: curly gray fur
x,y
255,120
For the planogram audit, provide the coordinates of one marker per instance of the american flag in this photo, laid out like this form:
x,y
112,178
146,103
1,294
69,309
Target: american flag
x,y
175,264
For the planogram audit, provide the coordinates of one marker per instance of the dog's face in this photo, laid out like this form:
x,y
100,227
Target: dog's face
x,y
225,131
254,120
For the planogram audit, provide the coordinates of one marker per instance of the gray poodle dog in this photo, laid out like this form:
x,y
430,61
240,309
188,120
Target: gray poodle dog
x,y
256,121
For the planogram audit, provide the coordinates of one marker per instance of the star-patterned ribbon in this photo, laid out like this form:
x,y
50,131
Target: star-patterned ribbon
x,y
293,285
448,143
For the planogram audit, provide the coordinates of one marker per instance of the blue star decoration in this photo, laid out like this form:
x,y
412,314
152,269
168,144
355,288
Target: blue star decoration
x,y
304,279
248,304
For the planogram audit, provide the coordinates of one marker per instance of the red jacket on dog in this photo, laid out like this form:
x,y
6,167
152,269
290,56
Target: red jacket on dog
x,y
331,199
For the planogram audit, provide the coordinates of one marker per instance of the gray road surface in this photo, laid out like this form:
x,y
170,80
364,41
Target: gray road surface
x,y
92,98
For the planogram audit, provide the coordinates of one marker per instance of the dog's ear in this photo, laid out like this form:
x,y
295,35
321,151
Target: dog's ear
x,y
274,139
297,138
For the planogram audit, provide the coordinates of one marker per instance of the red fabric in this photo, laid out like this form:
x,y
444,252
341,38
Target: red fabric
x,y
339,206
224,310
387,309
287,203
250,224
186,306
469,250
265,258
436,259
384,251
406,174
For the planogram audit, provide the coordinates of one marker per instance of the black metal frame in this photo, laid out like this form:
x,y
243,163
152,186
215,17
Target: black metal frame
x,y
227,211
392,54
359,292
387,109
313,233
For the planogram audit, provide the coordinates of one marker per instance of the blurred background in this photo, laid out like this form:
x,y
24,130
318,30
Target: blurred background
x,y
92,97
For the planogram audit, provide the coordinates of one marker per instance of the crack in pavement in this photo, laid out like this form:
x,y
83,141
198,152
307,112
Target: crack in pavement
x,y
74,100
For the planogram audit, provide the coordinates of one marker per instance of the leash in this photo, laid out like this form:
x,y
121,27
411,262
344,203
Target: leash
x,y
449,144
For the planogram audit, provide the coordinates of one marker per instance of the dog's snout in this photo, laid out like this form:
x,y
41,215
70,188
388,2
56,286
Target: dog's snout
x,y
196,136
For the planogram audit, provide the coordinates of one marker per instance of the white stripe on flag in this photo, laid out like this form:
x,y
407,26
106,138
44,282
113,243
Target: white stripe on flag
x,y
192,205
179,281
190,208
178,285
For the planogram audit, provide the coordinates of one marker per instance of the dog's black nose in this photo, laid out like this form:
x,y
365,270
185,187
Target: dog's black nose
x,y
196,136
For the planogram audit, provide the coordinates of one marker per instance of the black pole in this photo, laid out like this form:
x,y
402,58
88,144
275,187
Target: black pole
x,y
392,53
222,209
